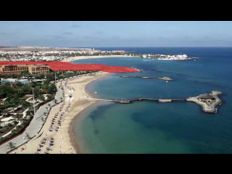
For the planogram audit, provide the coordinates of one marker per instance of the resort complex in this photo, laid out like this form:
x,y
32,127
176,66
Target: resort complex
x,y
14,68
52,54
30,89
42,67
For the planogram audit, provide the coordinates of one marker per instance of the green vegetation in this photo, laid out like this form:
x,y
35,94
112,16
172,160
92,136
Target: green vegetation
x,y
18,96
11,145
14,93
14,128
61,75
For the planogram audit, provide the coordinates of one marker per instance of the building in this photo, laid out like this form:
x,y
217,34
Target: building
x,y
42,67
38,69
18,69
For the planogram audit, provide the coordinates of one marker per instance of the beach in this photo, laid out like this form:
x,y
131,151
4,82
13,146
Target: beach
x,y
149,127
55,136
70,59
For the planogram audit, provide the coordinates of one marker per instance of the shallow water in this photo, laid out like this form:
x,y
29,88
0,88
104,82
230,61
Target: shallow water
x,y
146,127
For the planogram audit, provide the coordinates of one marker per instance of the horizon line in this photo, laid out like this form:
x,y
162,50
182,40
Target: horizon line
x,y
15,46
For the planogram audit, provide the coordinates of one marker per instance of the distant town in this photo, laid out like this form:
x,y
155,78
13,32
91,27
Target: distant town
x,y
60,54
51,54
166,57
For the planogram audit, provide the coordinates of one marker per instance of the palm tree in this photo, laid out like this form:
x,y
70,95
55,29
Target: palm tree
x,y
11,145
28,136
1,139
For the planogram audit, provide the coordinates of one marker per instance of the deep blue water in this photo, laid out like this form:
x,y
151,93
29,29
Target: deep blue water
x,y
162,128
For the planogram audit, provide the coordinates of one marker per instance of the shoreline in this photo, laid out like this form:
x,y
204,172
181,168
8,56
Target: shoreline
x,y
75,58
64,141
70,59
76,140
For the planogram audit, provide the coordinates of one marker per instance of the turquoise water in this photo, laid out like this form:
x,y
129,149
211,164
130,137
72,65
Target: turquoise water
x,y
146,127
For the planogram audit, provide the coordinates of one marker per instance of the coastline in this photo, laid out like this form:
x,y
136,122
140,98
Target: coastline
x,y
76,140
70,59
79,101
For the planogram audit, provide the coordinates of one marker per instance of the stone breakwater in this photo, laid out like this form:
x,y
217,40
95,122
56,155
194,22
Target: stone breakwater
x,y
208,101
165,78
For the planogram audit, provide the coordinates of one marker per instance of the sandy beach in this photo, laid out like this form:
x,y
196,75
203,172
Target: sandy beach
x,y
55,136
70,59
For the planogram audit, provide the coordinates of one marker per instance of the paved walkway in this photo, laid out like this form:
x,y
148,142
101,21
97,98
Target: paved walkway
x,y
36,123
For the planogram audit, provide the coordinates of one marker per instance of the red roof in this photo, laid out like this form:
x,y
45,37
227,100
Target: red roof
x,y
66,66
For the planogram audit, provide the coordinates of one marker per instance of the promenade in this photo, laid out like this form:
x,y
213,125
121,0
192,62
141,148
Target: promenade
x,y
35,125
54,136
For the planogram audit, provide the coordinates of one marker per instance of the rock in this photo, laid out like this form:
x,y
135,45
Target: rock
x,y
209,101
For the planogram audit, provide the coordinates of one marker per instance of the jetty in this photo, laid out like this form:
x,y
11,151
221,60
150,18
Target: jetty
x,y
132,100
165,100
208,101
140,77
165,78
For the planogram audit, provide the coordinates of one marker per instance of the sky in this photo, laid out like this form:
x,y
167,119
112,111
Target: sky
x,y
116,33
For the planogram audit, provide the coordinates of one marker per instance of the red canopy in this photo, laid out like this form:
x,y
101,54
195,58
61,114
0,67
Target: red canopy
x,y
66,66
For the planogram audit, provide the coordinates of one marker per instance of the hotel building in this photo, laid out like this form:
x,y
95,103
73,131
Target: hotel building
x,y
18,69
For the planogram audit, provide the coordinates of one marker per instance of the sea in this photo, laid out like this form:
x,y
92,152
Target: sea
x,y
160,128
